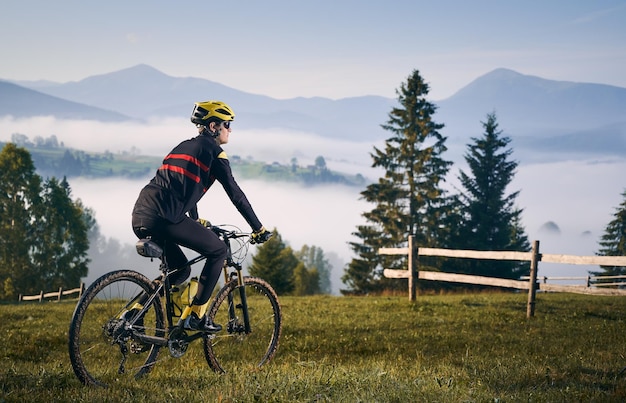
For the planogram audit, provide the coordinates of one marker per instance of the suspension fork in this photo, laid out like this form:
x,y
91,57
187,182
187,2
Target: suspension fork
x,y
232,314
244,301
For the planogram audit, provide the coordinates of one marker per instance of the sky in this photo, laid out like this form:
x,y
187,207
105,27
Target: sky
x,y
333,49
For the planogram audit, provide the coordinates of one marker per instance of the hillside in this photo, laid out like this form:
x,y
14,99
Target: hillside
x,y
52,158
21,102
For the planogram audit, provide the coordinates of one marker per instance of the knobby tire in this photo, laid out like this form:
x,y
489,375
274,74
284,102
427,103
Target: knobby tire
x,y
98,335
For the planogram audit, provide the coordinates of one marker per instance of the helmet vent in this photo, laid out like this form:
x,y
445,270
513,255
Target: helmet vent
x,y
200,112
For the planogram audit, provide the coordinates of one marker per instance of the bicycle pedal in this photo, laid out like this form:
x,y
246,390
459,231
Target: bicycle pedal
x,y
239,306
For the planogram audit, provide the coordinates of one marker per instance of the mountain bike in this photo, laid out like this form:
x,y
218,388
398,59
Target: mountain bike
x,y
124,319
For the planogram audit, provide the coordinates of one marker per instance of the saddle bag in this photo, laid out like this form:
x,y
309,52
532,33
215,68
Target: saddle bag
x,y
148,248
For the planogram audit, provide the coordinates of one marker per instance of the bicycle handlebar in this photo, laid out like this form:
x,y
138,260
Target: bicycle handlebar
x,y
228,234
233,234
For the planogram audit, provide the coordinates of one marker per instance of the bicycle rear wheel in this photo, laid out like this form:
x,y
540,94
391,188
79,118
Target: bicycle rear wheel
x,y
103,345
235,346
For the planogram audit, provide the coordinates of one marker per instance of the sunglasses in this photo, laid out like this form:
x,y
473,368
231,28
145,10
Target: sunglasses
x,y
226,124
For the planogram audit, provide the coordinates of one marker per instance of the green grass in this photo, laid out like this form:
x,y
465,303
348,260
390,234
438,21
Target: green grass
x,y
444,348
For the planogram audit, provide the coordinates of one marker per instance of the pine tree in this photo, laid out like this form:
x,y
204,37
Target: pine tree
x,y
314,259
490,219
613,241
408,199
275,262
305,281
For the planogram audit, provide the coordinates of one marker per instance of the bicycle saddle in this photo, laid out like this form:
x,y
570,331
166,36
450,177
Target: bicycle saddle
x,y
148,248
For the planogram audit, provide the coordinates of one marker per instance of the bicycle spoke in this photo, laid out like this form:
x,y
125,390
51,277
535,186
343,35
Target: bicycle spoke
x,y
104,347
233,347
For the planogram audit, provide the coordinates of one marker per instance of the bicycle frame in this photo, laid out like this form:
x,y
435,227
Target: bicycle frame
x,y
165,285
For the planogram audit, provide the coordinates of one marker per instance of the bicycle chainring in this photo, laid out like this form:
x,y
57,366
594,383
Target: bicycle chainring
x,y
178,342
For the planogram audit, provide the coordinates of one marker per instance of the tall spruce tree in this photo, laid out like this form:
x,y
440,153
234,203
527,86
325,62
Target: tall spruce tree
x,y
490,219
613,241
408,199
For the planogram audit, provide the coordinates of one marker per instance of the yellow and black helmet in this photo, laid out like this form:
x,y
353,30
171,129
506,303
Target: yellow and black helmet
x,y
210,111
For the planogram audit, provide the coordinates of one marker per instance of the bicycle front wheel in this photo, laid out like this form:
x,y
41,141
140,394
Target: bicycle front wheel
x,y
103,343
244,343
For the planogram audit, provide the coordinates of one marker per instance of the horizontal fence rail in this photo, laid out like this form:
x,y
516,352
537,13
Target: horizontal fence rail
x,y
56,294
595,281
529,283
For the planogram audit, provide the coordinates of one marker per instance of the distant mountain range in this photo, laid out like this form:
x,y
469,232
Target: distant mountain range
x,y
541,116
21,102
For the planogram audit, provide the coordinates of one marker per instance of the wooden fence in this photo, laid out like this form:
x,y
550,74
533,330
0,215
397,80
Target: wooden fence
x,y
56,294
534,257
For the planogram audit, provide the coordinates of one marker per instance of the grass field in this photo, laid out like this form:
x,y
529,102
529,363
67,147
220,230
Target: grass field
x,y
443,348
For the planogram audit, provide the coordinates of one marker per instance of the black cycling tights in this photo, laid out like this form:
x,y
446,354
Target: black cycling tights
x,y
195,236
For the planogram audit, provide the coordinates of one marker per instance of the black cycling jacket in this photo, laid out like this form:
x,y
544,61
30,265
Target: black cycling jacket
x,y
188,171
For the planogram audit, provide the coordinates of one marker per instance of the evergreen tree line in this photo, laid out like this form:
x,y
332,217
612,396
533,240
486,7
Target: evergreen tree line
x,y
304,272
52,158
409,200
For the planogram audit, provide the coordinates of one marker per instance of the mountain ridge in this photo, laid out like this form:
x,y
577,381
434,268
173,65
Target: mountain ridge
x,y
19,102
518,99
535,110
142,91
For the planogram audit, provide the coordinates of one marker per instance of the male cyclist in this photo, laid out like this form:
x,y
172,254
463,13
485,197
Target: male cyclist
x,y
166,208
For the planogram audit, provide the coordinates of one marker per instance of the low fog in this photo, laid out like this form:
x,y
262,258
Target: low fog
x,y
580,196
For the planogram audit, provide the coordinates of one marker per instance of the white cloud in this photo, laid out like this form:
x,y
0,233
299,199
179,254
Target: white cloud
x,y
132,38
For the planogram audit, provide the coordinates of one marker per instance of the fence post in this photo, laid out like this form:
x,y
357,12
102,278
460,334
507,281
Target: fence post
x,y
60,293
532,286
82,289
412,269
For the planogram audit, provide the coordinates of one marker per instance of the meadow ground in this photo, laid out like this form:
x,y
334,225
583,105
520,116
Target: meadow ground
x,y
442,348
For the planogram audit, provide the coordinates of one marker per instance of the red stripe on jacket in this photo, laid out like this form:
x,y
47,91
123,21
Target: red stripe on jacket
x,y
189,158
182,171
